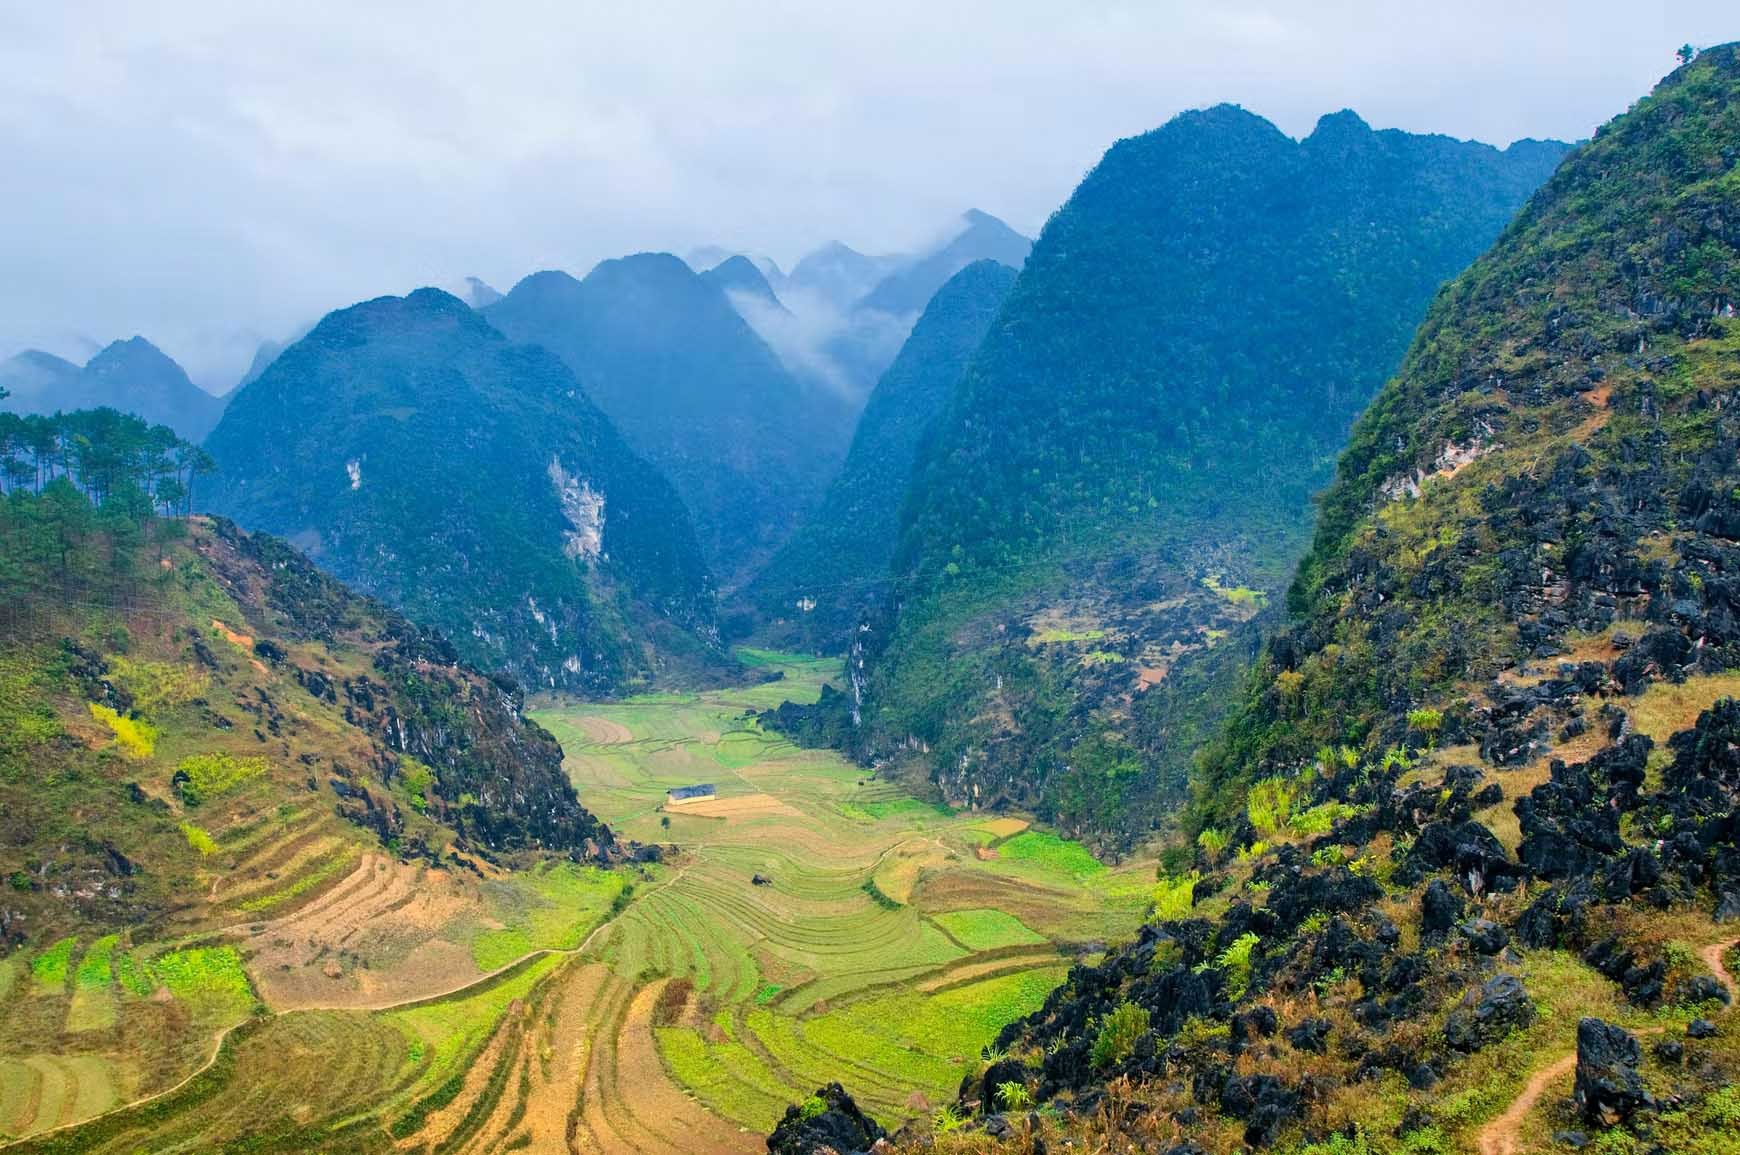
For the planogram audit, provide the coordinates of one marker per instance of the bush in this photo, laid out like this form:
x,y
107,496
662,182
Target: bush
x,y
198,839
136,737
1117,1034
1174,897
1269,804
202,777
1235,960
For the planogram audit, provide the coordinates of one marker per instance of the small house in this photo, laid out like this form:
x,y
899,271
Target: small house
x,y
700,792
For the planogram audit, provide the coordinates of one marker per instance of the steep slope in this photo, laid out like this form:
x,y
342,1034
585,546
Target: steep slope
x,y
1473,834
419,455
982,238
133,376
1125,474
823,578
164,671
695,391
839,274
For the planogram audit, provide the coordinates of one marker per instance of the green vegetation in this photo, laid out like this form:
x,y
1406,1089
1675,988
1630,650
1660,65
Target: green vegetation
x,y
1115,1036
135,736
1052,854
198,838
202,777
395,388
985,929
48,969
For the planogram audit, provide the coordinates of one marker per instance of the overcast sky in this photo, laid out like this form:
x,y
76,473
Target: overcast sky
x,y
207,172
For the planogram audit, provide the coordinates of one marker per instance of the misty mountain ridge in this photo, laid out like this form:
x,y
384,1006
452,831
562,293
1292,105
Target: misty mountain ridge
x,y
133,376
695,390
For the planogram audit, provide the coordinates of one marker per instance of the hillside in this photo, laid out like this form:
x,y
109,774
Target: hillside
x,y
417,454
133,376
202,740
693,390
831,570
1469,852
982,237
1124,477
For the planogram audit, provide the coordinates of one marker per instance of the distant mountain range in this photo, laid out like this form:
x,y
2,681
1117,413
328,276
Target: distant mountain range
x,y
837,563
133,376
748,445
421,456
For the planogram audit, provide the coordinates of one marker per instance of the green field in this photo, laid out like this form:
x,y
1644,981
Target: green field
x,y
886,948
656,1009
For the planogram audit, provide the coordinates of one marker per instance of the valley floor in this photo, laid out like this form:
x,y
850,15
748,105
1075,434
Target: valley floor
x,y
814,923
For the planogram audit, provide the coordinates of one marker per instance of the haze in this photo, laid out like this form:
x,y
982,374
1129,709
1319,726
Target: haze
x,y
211,173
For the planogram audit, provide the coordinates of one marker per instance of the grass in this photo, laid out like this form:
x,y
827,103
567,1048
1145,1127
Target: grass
x,y
986,929
1051,854
203,777
553,908
48,970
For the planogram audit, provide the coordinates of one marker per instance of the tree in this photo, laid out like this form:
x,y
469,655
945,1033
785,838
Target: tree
x,y
1686,54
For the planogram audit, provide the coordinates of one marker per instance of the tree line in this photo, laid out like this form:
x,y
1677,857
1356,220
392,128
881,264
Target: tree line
x,y
106,455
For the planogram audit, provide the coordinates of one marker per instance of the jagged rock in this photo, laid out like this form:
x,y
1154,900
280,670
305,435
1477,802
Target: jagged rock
x,y
998,1073
1484,935
1608,1087
1701,1029
828,1120
1501,1006
1671,1051
1310,1035
1472,851
1263,1102
1703,989
1440,907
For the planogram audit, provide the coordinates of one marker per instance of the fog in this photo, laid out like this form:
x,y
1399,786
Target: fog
x,y
210,174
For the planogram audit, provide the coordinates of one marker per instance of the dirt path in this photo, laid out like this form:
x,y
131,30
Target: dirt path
x,y
1499,1137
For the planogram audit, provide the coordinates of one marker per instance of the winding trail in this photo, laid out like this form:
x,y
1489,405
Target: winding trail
x,y
1500,1136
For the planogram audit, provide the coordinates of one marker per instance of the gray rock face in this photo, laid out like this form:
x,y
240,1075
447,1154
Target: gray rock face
x,y
1609,1088
1501,1006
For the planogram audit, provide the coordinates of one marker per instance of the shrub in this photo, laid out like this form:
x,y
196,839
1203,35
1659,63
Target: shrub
x,y
1269,804
198,839
1117,1034
811,1107
1013,1096
1212,842
1321,819
202,777
1235,960
1174,897
136,737
947,1120
1428,722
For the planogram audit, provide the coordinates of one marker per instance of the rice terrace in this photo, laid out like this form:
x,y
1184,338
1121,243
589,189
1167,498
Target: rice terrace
x,y
813,923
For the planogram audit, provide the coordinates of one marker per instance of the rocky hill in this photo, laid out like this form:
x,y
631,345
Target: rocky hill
x,y
833,569
161,680
1467,857
981,237
693,389
419,455
1123,479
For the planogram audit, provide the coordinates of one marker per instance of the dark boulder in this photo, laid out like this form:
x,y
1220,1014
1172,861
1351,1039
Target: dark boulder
x,y
1311,1035
1440,908
1608,1087
829,1119
1263,1102
1485,936
1700,1029
1500,1006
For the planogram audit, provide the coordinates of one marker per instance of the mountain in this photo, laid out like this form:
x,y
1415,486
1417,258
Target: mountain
x,y
739,274
132,376
480,293
263,357
982,238
38,382
839,274
1124,477
1468,853
694,390
834,565
419,455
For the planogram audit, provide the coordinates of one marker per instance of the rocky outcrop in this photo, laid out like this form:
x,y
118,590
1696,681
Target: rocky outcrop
x,y
827,1123
1609,1088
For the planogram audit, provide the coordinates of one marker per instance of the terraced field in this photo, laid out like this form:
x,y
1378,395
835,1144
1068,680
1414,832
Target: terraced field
x,y
325,996
885,943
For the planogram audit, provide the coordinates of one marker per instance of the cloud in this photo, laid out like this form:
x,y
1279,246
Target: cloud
x,y
194,170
